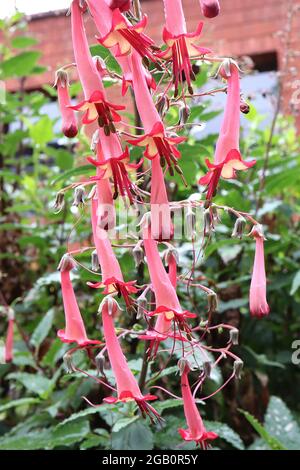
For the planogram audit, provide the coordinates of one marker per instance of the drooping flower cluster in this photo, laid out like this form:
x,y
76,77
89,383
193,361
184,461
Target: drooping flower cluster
x,y
159,303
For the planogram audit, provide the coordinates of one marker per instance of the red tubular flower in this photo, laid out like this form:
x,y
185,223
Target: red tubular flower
x,y
181,45
227,170
97,108
196,430
117,168
258,303
95,105
166,300
127,386
9,342
126,37
160,210
227,157
210,8
69,124
158,143
75,330
112,278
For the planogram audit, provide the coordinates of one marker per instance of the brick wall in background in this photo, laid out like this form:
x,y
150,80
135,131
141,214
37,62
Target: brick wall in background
x,y
244,27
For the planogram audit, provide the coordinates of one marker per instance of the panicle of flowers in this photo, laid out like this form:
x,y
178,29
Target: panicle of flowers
x,y
159,303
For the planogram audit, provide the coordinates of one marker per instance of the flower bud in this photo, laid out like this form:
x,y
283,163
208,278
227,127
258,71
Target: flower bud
x,y
183,365
244,106
238,227
69,123
67,359
208,227
113,308
95,261
99,361
142,306
100,65
59,202
138,254
67,263
210,8
162,104
206,368
237,368
184,114
170,253
257,231
234,336
79,195
212,299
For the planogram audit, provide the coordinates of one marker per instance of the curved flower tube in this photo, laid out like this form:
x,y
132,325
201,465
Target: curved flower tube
x,y
112,277
74,331
95,106
69,123
160,210
181,45
127,386
196,430
258,303
227,157
9,342
167,303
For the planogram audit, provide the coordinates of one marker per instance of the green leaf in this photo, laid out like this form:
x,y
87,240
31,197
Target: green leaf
x,y
43,328
20,65
29,441
66,175
92,441
272,442
42,131
226,433
124,422
20,42
295,284
68,434
136,436
280,423
35,383
17,403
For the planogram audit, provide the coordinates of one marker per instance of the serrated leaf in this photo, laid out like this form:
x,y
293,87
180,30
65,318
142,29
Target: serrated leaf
x,y
280,423
123,423
137,436
65,176
226,433
272,442
17,403
35,383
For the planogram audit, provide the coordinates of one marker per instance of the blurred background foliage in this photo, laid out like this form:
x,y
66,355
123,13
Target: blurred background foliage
x,y
41,406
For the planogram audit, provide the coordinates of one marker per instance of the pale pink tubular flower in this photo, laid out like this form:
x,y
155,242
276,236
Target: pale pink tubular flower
x,y
69,123
157,146
74,331
9,342
181,45
258,303
210,8
116,31
127,386
95,106
112,277
227,159
168,307
196,430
